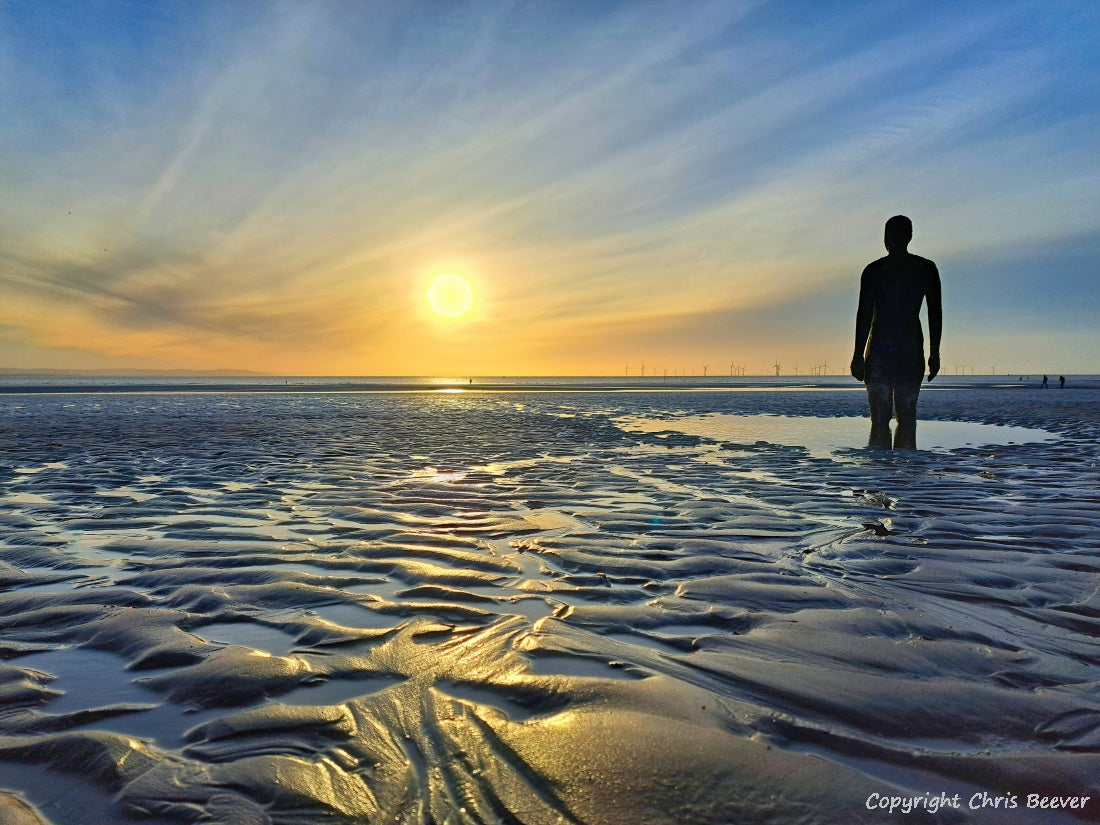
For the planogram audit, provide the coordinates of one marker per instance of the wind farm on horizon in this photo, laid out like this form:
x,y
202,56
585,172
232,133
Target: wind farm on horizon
x,y
736,370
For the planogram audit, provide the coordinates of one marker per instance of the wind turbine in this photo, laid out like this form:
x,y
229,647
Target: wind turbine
x,y
776,366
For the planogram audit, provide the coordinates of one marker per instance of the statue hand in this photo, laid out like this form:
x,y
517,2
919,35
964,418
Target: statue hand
x,y
858,367
933,366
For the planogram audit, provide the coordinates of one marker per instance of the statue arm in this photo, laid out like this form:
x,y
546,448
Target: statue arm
x,y
935,322
935,312
864,316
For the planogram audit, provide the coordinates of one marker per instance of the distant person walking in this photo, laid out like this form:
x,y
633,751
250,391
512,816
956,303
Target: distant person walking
x,y
1045,385
889,348
1061,382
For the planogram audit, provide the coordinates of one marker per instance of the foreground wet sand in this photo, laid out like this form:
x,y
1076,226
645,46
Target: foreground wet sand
x,y
489,607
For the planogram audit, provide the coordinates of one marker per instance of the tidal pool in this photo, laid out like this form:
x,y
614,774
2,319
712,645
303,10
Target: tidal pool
x,y
824,436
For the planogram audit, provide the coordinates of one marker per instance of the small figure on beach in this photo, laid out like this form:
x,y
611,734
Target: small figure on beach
x,y
1061,382
889,346
1045,386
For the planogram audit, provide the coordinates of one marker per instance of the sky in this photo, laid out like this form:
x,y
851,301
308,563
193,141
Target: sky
x,y
635,185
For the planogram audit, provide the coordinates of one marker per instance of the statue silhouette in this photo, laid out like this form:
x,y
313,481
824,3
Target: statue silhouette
x,y
889,346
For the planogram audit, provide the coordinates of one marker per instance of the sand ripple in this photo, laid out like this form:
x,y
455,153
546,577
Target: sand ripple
x,y
415,608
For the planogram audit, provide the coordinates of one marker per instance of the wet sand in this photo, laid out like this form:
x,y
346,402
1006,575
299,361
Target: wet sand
x,y
546,607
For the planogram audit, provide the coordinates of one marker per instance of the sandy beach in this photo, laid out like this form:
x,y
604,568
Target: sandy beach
x,y
548,607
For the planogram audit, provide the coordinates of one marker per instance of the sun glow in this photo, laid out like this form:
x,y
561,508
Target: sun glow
x,y
450,296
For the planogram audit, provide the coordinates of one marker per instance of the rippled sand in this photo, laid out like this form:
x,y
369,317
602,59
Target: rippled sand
x,y
494,607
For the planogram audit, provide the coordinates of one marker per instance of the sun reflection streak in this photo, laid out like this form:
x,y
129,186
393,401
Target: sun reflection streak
x,y
433,474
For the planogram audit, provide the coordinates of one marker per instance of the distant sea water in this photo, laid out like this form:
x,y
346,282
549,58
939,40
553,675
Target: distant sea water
x,y
322,383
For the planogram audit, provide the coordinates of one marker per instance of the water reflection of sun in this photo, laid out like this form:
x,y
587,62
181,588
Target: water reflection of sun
x,y
430,473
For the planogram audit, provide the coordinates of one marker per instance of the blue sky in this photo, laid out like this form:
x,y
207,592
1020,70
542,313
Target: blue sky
x,y
272,186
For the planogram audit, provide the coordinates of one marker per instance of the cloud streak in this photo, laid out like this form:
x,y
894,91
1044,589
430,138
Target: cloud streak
x,y
608,178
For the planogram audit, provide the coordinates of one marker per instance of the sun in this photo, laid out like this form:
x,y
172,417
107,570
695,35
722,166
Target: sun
x,y
450,296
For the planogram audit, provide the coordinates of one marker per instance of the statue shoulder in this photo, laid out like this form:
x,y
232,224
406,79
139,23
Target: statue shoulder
x,y
874,269
925,264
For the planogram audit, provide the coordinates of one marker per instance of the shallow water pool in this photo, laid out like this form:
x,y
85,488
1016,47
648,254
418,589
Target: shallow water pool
x,y
822,437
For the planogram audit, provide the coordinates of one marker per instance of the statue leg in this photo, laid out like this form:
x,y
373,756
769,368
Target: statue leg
x,y
906,391
880,393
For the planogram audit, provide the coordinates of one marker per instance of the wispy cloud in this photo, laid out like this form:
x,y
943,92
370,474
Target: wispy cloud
x,y
283,181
